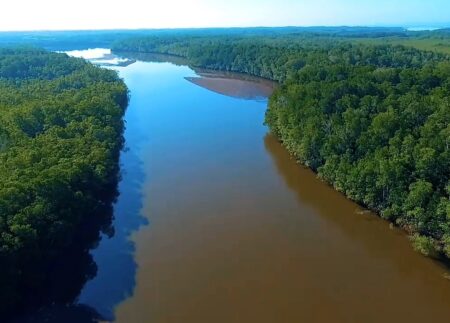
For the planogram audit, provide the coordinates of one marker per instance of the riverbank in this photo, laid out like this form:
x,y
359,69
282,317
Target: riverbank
x,y
239,231
216,222
328,118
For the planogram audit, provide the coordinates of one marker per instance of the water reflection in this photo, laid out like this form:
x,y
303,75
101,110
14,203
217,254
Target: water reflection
x,y
63,313
235,85
355,222
100,56
154,58
382,260
114,256
98,271
115,279
69,272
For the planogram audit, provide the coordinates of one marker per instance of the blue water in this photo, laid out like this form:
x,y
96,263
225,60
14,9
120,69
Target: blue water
x,y
164,107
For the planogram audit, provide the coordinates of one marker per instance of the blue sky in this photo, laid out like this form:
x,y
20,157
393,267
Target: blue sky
x,y
108,14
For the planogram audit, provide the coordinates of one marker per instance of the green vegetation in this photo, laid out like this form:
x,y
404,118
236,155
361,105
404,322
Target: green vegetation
x,y
373,121
435,44
83,39
370,118
60,136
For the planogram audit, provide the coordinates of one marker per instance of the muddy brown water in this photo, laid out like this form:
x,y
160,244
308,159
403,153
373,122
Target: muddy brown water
x,y
239,232
216,223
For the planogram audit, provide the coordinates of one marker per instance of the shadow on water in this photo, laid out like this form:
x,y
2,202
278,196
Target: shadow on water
x,y
97,272
357,223
310,191
66,275
115,281
63,313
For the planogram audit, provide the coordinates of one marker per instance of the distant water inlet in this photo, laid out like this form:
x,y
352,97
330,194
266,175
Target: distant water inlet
x,y
101,56
215,222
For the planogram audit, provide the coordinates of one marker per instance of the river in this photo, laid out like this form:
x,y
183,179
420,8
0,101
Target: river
x,y
216,223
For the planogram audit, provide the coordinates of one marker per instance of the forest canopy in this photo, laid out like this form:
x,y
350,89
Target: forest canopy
x,y
60,136
372,120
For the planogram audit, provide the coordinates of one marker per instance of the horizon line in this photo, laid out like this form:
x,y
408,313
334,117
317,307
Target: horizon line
x,y
430,26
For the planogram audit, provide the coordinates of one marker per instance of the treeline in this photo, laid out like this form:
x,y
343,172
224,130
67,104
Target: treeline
x,y
371,120
83,39
60,136
277,58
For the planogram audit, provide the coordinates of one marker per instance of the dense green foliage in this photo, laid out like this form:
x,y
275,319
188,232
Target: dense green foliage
x,y
60,136
276,58
371,120
83,39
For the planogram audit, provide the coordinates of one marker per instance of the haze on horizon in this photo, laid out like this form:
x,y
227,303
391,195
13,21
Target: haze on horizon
x,y
132,14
